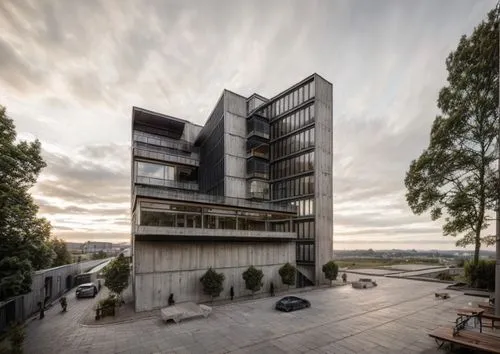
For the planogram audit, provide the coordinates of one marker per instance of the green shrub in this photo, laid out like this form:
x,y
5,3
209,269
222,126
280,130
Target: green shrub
x,y
253,279
481,276
444,276
331,269
287,273
16,338
111,300
213,283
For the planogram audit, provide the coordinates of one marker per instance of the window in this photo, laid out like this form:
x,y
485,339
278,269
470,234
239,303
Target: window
x,y
312,89
301,93
145,169
286,103
295,97
311,114
306,92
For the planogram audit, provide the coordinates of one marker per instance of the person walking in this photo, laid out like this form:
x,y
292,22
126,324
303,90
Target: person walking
x,y
231,293
64,303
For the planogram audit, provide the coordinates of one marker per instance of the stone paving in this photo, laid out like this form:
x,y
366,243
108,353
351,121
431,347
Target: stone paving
x,y
394,317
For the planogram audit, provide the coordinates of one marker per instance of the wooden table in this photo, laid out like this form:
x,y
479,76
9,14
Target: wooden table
x,y
467,313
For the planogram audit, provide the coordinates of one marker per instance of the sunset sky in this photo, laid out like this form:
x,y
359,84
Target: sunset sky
x,y
70,72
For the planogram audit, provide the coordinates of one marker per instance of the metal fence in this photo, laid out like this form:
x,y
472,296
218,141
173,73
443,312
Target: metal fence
x,y
48,285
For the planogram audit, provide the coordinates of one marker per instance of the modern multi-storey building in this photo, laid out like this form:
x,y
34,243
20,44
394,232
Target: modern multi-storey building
x,y
253,186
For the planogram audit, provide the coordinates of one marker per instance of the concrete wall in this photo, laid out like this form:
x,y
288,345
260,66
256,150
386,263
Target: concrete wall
x,y
323,172
173,267
234,145
26,305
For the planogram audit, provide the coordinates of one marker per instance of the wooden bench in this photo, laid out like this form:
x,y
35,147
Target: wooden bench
x,y
488,308
443,295
467,338
491,318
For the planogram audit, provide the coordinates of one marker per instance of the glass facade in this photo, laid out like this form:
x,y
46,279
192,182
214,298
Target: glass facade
x,y
173,215
292,164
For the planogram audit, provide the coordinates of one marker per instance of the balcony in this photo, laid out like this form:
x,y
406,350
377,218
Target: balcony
x,y
172,233
167,183
164,156
157,140
194,197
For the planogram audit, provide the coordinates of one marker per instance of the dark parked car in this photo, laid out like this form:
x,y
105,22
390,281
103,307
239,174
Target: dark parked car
x,y
86,290
292,303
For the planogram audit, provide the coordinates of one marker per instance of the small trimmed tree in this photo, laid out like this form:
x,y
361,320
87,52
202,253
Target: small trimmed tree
x,y
287,273
212,283
331,269
116,275
253,279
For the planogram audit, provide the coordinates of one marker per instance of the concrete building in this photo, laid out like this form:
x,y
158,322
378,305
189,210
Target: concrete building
x,y
253,186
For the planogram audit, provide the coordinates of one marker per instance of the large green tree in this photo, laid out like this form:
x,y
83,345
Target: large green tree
x,y
456,175
23,236
117,274
62,255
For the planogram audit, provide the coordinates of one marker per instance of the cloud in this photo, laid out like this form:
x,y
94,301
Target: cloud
x,y
71,71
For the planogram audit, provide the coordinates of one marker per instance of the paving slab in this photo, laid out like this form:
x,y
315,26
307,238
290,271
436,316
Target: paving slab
x,y
395,315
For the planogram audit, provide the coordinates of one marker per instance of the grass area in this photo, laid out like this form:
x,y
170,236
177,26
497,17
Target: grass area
x,y
356,263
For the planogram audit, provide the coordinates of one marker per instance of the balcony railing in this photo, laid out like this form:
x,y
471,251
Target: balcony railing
x,y
210,233
167,183
161,141
147,154
188,196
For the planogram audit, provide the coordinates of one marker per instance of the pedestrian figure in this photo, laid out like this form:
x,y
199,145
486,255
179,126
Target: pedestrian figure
x,y
344,277
42,310
272,289
171,300
231,293
64,303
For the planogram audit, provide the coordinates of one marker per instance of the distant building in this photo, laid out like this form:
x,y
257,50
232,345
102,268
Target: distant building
x,y
74,247
95,246
253,186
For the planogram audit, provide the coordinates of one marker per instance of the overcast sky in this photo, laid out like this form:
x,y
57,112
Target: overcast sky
x,y
70,71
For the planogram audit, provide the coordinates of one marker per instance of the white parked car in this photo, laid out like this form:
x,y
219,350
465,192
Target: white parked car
x,y
364,283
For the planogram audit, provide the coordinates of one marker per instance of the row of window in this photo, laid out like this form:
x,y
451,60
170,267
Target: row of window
x,y
294,187
305,207
188,220
292,144
291,100
304,229
292,122
281,226
289,167
305,252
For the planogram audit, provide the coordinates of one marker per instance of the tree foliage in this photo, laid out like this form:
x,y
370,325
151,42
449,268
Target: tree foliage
x,y
116,274
99,255
331,270
212,282
456,176
287,273
23,236
62,254
253,279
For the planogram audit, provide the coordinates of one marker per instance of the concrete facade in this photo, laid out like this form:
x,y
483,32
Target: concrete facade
x,y
176,267
253,186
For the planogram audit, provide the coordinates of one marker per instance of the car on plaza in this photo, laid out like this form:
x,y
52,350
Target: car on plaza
x,y
292,303
86,290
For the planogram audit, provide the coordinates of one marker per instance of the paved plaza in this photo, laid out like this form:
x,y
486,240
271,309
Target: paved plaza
x,y
394,317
